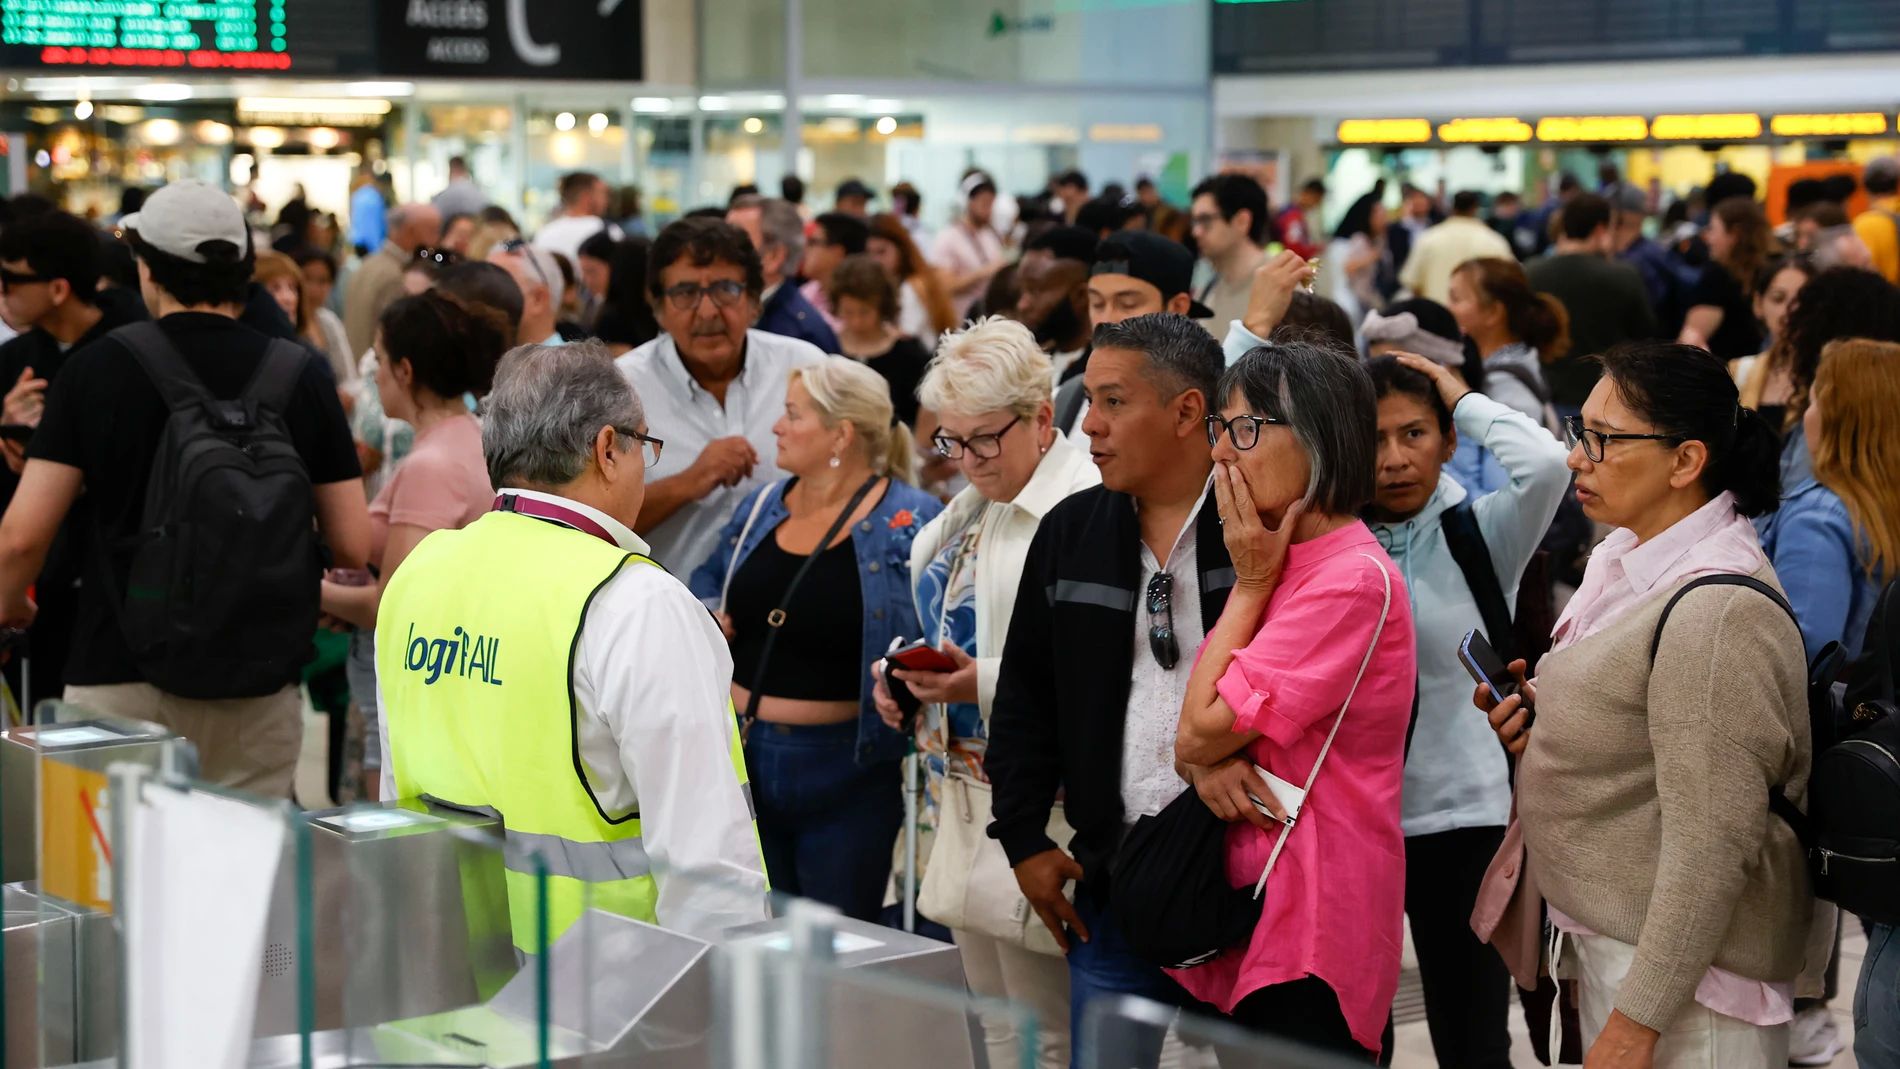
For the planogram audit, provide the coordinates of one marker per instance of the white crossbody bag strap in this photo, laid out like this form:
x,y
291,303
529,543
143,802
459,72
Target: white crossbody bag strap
x,y
732,562
1377,631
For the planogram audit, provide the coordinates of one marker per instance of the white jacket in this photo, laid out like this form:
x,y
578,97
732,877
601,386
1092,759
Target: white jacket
x,y
1003,547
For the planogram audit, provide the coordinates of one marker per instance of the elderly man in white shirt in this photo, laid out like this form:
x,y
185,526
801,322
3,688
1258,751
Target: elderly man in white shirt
x,y
484,721
719,385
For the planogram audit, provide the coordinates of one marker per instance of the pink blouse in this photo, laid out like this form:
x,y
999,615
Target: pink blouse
x,y
1335,904
441,485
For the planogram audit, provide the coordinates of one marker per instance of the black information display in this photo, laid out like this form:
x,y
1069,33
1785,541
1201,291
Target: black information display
x,y
576,39
1267,36
596,40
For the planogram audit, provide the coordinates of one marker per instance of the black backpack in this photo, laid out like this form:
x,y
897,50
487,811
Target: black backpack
x,y
224,573
1851,831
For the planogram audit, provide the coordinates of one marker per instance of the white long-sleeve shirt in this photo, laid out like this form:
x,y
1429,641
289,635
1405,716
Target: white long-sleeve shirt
x,y
653,679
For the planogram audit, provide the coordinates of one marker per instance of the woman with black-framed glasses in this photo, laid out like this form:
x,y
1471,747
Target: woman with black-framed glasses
x,y
1308,675
1677,898
989,385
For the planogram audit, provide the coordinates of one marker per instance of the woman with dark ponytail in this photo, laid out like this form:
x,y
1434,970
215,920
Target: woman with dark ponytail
x,y
1514,328
435,354
1679,900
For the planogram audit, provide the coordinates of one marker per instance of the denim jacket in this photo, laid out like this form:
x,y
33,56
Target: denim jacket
x,y
882,542
1821,561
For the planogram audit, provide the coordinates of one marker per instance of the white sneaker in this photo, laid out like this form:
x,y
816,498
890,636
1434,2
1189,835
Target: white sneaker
x,y
1813,1038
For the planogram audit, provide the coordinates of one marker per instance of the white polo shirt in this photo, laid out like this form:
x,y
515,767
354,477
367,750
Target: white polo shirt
x,y
687,418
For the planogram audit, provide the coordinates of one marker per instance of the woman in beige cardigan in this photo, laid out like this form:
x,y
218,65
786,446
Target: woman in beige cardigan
x,y
1678,901
989,385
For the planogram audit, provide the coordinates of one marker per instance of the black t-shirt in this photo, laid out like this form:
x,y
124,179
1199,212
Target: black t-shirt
x,y
1738,336
104,417
902,366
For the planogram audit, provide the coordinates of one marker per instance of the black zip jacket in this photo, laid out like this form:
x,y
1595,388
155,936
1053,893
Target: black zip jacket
x,y
1062,690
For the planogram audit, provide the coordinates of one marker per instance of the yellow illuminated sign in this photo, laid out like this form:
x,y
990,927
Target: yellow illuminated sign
x,y
1384,132
1739,127
1593,128
1484,131
1856,124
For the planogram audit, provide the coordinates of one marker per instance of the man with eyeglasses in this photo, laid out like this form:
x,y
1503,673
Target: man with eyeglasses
x,y
538,665
542,290
1121,584
378,279
1232,228
717,383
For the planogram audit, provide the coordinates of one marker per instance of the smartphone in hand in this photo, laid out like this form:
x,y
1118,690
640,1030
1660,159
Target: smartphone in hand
x,y
1486,667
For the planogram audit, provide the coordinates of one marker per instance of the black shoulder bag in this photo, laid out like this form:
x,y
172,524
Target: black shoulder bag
x,y
775,620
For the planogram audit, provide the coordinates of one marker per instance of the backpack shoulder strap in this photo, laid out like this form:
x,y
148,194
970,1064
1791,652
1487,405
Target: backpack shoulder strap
x,y
278,374
1468,548
177,383
1531,382
1724,579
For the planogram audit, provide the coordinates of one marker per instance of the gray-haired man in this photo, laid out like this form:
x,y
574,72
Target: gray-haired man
x,y
378,279
538,664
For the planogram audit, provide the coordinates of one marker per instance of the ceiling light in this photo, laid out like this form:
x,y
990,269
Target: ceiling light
x,y
324,138
881,106
83,110
160,132
597,123
163,91
714,104
267,137
652,105
380,89
755,125
887,126
843,100
564,121
212,133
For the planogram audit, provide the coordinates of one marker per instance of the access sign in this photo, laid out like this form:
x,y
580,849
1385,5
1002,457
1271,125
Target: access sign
x,y
577,39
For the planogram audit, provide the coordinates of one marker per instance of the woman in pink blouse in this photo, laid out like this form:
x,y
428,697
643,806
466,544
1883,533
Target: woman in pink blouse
x,y
1318,615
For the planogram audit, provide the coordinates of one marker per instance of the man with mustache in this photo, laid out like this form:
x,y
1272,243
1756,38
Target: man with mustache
x,y
715,385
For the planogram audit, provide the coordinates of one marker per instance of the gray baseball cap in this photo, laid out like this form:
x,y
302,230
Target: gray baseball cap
x,y
194,222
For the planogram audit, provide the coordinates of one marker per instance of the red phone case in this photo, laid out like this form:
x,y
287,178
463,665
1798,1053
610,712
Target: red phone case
x,y
923,659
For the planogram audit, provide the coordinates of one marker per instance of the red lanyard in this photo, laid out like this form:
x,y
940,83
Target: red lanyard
x,y
548,510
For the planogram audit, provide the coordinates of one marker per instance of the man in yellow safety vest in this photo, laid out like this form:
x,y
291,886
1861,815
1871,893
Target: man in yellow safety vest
x,y
536,664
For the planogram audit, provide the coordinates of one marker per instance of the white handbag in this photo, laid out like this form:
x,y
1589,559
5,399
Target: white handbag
x,y
969,884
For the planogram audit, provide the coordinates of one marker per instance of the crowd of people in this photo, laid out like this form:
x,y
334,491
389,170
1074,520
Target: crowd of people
x,y
1150,537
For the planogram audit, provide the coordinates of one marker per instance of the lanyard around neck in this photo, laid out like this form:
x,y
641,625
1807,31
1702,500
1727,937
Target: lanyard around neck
x,y
548,510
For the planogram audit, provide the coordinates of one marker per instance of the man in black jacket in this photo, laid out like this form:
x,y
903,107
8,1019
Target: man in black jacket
x,y
1121,584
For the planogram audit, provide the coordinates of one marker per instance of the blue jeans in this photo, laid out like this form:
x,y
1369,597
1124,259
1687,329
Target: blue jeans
x,y
1106,966
1877,1003
827,825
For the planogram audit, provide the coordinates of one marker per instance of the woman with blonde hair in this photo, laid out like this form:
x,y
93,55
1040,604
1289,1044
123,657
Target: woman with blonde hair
x,y
1836,537
805,566
924,308
989,386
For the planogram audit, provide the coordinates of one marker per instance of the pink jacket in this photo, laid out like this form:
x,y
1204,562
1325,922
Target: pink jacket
x,y
1335,903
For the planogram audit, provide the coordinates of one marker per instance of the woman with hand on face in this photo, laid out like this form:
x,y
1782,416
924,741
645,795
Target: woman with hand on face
x,y
1318,620
1681,904
811,583
1457,783
989,385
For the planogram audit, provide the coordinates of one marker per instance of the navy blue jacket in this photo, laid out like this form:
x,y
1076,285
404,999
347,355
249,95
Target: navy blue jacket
x,y
790,315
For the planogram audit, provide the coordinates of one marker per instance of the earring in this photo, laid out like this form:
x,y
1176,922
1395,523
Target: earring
x,y
835,461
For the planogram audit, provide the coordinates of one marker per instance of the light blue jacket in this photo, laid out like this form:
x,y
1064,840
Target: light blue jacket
x,y
1822,562
882,543
1455,774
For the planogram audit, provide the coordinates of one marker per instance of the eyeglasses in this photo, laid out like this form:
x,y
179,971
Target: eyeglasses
x,y
1161,640
650,447
438,257
1243,431
980,446
1204,220
686,296
1576,433
9,279
520,247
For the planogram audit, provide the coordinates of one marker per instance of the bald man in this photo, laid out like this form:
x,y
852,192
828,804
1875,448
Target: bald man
x,y
378,279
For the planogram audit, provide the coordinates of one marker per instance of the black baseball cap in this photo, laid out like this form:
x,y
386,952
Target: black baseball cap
x,y
852,187
1166,265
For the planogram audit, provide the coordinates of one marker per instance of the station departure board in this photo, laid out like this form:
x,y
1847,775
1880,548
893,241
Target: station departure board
x,y
1267,36
251,36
